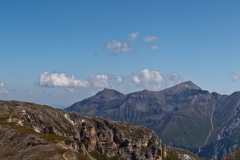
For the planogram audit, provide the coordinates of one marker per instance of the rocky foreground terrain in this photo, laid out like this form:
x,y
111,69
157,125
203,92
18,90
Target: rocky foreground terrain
x,y
35,132
235,155
205,123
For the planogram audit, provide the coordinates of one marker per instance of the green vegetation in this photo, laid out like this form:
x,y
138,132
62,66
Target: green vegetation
x,y
12,125
3,118
98,156
81,156
55,138
181,151
171,156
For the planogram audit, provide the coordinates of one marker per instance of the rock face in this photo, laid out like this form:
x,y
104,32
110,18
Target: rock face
x,y
234,155
30,131
205,123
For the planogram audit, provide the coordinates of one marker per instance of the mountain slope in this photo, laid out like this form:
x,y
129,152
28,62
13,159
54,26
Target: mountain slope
x,y
200,121
165,112
30,131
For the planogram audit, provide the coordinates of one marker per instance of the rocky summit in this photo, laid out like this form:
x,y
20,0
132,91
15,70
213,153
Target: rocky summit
x,y
30,131
184,116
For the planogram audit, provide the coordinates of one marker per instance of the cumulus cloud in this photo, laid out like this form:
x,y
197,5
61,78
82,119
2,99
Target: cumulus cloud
x,y
114,44
70,83
174,78
119,79
154,47
135,79
115,47
61,80
115,81
147,76
150,38
154,79
118,47
146,79
133,36
3,89
99,81
126,48
235,76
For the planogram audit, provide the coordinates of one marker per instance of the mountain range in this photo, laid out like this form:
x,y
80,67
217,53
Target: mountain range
x,y
183,116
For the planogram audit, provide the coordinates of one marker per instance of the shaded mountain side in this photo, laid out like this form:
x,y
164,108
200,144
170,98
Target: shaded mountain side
x,y
226,134
195,117
31,131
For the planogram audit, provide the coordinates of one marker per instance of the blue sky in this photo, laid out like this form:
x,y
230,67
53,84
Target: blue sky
x,y
60,52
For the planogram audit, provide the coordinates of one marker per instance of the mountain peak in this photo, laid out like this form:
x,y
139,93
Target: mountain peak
x,y
189,85
109,93
182,86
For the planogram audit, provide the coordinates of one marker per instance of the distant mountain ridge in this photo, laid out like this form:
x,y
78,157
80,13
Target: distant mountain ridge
x,y
205,123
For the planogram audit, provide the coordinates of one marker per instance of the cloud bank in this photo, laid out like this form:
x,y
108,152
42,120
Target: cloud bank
x,y
145,79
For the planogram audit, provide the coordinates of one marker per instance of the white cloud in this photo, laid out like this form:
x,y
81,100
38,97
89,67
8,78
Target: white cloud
x,y
61,80
235,76
174,78
115,81
147,78
118,47
3,88
119,79
136,79
99,81
133,36
126,48
154,47
154,80
114,44
150,38
150,76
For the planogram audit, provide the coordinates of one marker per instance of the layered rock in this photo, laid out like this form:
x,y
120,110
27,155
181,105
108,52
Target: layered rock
x,y
31,131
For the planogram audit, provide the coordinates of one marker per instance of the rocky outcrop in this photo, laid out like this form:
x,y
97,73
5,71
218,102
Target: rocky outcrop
x,y
234,155
31,131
